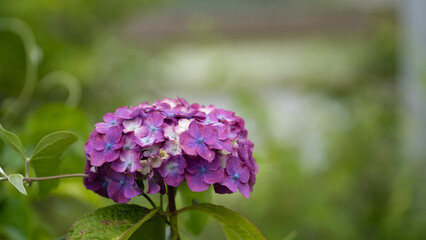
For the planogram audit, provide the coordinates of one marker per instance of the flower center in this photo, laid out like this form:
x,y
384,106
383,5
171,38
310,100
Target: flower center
x,y
172,167
236,176
108,146
122,182
200,140
153,128
203,170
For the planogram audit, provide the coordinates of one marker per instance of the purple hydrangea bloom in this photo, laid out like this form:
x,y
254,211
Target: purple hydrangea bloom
x,y
156,184
200,174
237,177
169,142
110,121
198,139
97,180
125,113
122,187
129,143
128,160
106,147
153,133
173,170
224,115
132,124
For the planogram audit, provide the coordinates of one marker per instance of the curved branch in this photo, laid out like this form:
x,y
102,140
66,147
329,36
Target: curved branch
x,y
33,179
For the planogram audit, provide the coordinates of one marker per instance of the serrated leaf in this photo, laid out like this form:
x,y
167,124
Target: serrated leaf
x,y
194,221
234,225
17,181
47,156
13,142
117,221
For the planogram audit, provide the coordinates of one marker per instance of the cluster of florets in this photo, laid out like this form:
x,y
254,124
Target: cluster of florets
x,y
166,143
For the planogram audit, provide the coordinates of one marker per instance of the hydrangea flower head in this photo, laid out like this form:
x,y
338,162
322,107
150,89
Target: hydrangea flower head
x,y
168,143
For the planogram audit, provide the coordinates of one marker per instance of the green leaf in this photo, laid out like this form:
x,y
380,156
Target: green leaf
x,y
117,221
53,145
153,229
234,225
17,180
47,155
13,142
128,233
194,221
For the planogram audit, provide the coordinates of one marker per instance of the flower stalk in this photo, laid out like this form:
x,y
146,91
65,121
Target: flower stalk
x,y
174,232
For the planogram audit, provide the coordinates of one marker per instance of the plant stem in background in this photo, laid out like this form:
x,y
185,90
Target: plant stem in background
x,y
174,232
24,31
32,179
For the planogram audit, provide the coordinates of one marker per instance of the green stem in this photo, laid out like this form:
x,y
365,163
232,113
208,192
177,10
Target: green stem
x,y
32,179
174,232
27,167
149,200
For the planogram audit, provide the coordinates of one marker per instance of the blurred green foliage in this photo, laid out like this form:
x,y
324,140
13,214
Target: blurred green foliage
x,y
322,111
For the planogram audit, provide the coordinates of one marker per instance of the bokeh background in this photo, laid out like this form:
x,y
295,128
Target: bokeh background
x,y
333,94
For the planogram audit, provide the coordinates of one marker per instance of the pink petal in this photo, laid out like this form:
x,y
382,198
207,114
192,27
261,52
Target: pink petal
x,y
102,127
205,152
123,113
188,143
230,183
131,125
110,156
97,158
232,165
108,117
245,190
114,190
145,141
215,164
141,132
194,166
174,179
99,142
119,166
196,182
209,135
131,191
211,177
194,130
113,135
244,174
